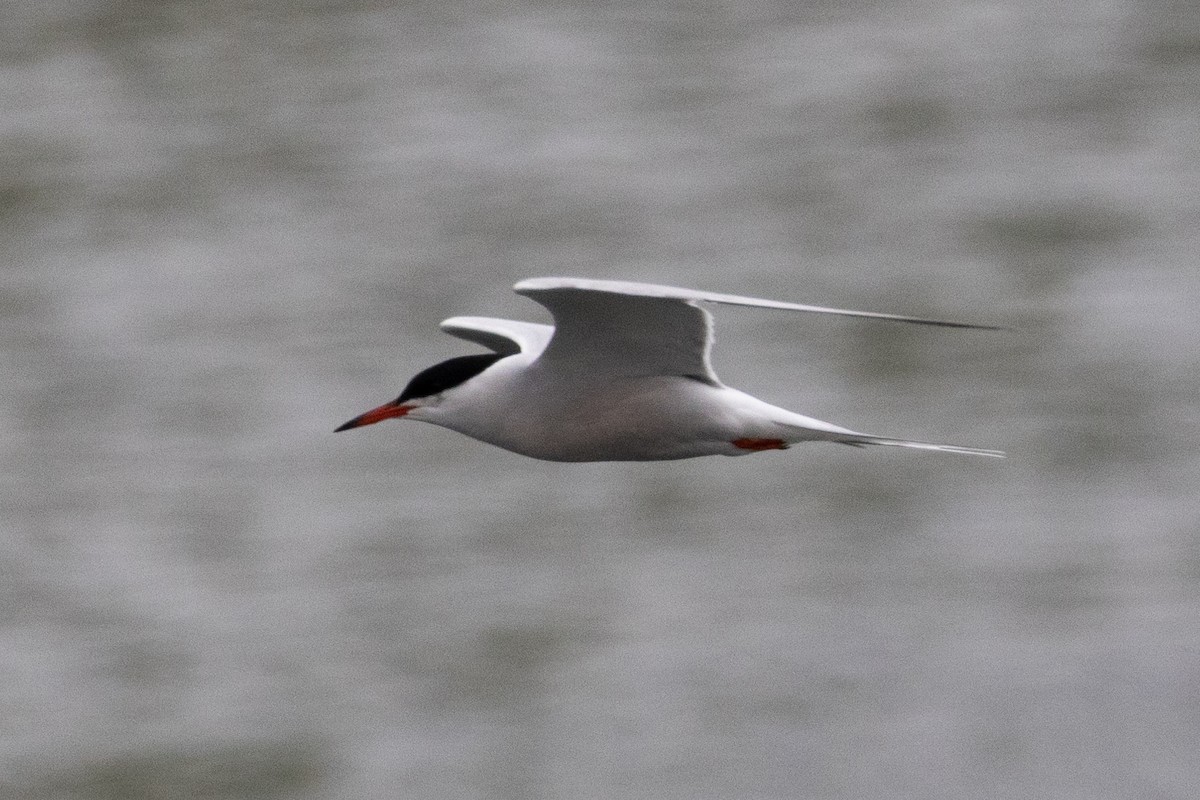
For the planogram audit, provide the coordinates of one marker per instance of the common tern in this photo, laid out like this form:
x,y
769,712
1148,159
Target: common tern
x,y
624,374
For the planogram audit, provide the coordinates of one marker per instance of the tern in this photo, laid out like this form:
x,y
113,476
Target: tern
x,y
624,374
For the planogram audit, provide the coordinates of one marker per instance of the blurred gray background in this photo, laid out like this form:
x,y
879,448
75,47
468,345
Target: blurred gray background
x,y
229,226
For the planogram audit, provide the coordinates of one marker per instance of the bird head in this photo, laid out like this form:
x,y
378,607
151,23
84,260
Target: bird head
x,y
426,390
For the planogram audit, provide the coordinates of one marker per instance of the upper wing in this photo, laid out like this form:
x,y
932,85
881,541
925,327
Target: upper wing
x,y
609,329
505,336
624,328
535,286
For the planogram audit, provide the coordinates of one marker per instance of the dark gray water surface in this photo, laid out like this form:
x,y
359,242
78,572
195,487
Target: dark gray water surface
x,y
228,227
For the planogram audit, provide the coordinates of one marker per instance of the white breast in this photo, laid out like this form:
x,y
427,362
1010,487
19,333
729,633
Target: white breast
x,y
517,406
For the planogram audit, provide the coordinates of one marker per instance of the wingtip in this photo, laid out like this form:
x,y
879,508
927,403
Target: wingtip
x,y
975,326
979,451
530,284
560,282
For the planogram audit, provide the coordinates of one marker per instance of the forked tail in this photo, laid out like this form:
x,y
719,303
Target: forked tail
x,y
860,439
809,429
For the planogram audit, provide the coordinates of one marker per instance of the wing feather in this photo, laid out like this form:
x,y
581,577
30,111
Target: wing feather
x,y
535,286
621,328
601,332
505,336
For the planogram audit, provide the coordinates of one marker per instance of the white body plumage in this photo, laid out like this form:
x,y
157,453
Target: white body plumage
x,y
623,375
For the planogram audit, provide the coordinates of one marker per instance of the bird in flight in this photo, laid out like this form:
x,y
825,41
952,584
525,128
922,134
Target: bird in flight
x,y
623,374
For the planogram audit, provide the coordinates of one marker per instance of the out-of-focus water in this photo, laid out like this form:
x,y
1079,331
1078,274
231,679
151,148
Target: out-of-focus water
x,y
227,227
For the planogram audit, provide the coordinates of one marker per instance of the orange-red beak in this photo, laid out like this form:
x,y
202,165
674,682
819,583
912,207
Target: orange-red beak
x,y
385,411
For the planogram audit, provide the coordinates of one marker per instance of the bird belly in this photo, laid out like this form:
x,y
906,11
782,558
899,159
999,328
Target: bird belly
x,y
624,419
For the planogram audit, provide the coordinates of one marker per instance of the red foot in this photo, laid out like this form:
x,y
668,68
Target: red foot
x,y
760,444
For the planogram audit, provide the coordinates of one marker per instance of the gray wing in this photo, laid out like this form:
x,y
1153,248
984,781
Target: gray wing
x,y
505,336
537,286
620,328
604,331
